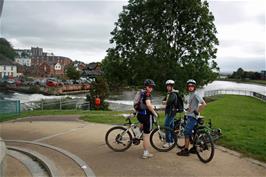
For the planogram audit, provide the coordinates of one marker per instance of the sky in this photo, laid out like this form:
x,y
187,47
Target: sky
x,y
81,29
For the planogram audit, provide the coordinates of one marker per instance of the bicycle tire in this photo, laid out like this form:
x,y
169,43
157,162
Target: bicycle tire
x,y
160,148
110,146
210,141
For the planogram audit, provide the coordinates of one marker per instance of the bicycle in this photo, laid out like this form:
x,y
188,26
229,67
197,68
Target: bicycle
x,y
203,138
121,137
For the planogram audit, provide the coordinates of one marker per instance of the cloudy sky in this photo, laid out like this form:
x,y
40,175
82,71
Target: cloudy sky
x,y
81,29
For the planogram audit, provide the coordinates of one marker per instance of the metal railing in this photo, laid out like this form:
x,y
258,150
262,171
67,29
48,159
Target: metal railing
x,y
9,107
56,104
235,92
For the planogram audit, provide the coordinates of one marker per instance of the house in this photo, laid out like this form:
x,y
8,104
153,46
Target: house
x,y
80,66
8,68
92,70
58,69
44,70
23,61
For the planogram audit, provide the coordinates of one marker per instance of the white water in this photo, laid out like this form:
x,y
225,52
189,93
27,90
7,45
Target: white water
x,y
124,100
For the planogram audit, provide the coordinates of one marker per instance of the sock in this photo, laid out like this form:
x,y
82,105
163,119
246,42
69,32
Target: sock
x,y
146,152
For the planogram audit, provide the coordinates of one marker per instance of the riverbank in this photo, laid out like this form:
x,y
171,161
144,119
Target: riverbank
x,y
259,82
242,120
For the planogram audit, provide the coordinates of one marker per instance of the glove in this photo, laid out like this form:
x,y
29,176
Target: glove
x,y
196,113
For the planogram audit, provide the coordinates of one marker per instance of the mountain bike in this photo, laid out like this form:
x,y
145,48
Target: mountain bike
x,y
203,138
120,138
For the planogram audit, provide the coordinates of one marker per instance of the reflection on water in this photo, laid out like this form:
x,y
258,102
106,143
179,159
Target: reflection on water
x,y
124,99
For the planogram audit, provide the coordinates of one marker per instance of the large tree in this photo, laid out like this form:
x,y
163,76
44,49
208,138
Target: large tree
x,y
163,39
6,49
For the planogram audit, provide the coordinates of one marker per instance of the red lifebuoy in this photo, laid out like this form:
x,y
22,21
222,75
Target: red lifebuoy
x,y
97,101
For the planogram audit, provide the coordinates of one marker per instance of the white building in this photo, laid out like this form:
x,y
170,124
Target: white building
x,y
24,61
7,68
57,66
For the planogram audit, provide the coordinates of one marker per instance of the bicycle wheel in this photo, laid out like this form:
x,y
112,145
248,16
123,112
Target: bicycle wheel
x,y
204,147
158,139
118,139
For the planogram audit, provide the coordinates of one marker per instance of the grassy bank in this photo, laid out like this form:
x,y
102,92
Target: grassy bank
x,y
242,120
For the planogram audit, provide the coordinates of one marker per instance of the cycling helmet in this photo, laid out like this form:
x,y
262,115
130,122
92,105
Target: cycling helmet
x,y
170,82
191,81
149,82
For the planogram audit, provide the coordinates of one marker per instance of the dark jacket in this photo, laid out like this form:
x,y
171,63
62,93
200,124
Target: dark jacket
x,y
171,99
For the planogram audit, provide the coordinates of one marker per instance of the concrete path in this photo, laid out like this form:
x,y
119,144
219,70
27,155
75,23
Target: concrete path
x,y
86,140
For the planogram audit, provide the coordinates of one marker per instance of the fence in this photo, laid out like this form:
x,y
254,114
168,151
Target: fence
x,y
235,92
9,107
56,104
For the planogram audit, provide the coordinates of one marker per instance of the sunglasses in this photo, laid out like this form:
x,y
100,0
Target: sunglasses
x,y
150,86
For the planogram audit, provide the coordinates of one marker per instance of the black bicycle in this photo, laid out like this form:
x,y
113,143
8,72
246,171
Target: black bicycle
x,y
202,139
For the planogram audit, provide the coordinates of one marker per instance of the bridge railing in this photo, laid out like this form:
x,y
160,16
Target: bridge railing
x,y
9,107
235,92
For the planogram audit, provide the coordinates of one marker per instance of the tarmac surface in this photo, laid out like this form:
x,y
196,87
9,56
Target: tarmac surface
x,y
86,140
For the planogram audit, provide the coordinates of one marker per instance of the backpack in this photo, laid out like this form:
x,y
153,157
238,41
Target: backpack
x,y
179,105
138,105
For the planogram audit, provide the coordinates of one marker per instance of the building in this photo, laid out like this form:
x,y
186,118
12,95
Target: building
x,y
8,68
92,70
36,51
58,70
41,64
23,61
64,61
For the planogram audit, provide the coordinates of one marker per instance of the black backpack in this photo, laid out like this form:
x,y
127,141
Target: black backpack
x,y
179,104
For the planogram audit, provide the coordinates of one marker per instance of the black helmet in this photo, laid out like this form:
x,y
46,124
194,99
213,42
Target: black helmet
x,y
149,82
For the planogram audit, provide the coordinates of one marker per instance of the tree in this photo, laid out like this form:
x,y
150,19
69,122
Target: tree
x,y
72,73
6,49
99,89
163,39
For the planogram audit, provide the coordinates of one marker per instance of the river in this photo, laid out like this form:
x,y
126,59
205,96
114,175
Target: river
x,y
123,100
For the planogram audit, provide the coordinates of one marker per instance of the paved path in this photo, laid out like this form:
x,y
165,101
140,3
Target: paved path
x,y
86,140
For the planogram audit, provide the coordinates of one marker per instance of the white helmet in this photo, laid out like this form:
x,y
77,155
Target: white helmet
x,y
191,81
170,82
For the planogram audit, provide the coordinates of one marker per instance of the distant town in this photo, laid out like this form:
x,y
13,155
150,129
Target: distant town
x,y
34,67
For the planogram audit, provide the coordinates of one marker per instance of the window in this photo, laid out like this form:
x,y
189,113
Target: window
x,y
11,68
4,67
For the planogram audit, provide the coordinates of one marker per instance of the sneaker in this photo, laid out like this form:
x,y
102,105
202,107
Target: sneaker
x,y
193,150
183,152
145,156
167,145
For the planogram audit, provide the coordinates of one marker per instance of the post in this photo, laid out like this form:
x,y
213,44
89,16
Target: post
x,y
60,104
42,104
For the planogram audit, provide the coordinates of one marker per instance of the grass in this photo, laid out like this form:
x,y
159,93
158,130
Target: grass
x,y
242,120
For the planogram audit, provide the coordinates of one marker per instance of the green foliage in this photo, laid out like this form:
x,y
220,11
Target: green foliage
x,y
160,40
6,49
72,73
99,89
241,74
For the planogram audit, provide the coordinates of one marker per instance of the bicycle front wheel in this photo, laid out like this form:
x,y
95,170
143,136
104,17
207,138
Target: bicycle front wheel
x,y
204,147
158,139
118,139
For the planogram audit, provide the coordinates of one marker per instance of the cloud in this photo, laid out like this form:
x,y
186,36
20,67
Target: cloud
x,y
81,29
241,31
66,27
